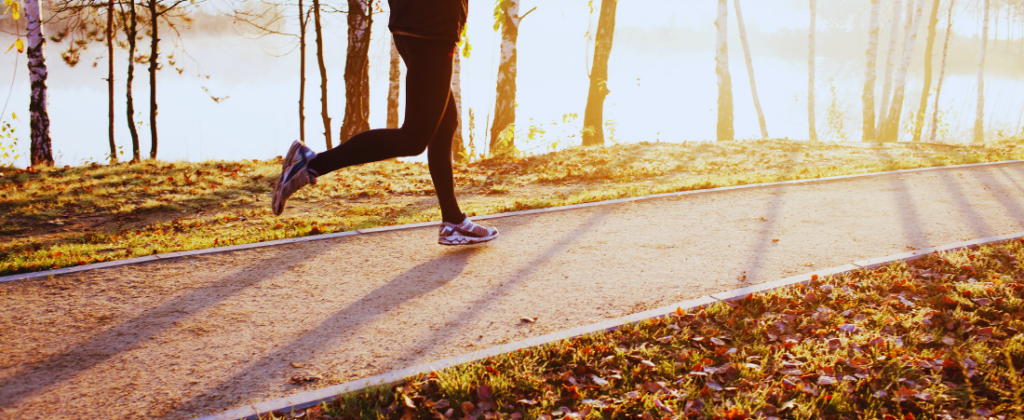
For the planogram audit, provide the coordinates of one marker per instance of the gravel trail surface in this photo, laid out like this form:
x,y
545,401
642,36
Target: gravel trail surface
x,y
189,337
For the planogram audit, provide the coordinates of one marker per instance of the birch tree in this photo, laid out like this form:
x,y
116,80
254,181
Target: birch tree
x,y
303,21
812,129
593,117
890,58
110,81
156,12
933,21
750,69
725,115
890,130
506,18
41,151
131,32
942,74
394,88
979,120
869,74
462,48
323,73
357,70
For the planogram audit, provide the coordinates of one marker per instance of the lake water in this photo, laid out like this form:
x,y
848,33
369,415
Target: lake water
x,y
662,81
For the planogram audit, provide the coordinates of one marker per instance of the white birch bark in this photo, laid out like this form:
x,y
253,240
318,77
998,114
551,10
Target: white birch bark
x,y
979,120
394,87
41,153
869,74
457,146
505,97
725,112
750,68
942,74
891,128
811,125
890,57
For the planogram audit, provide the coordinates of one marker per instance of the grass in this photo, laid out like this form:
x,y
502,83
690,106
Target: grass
x,y
939,337
59,217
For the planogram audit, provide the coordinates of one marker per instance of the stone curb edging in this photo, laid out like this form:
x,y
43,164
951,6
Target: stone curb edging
x,y
311,398
209,251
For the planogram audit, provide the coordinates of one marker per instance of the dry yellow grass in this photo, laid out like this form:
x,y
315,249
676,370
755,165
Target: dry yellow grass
x,y
60,217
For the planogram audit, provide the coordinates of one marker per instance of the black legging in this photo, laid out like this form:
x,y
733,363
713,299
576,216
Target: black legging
x,y
431,118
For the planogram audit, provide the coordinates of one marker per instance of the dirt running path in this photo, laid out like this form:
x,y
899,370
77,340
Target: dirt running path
x,y
190,337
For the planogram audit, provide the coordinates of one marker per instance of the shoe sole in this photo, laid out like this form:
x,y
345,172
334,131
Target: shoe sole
x,y
293,150
465,240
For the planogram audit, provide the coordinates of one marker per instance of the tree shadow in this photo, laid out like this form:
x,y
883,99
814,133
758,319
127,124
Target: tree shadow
x,y
763,241
407,286
29,379
467,316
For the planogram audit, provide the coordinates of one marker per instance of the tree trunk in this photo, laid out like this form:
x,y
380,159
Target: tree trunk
x,y
942,74
979,120
725,124
323,73
110,81
303,19
395,88
933,21
130,109
154,55
457,143
890,58
39,120
357,86
891,128
812,129
505,97
750,68
869,75
593,117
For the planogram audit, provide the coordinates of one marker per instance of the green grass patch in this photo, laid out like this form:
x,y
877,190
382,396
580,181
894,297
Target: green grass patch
x,y
59,217
939,337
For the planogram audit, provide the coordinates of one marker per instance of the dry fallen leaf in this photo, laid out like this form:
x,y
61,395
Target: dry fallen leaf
x,y
528,319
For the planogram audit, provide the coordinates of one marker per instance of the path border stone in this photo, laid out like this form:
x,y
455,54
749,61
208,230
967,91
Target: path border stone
x,y
210,251
311,398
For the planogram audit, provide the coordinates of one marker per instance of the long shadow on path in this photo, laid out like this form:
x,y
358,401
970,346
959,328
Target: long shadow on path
x,y
405,287
30,379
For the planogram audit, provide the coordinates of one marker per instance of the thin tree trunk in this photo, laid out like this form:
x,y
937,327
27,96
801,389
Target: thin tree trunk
x,y
750,68
811,126
110,81
130,109
154,55
979,120
933,21
891,128
942,74
725,130
593,117
323,73
505,97
39,120
303,19
357,89
457,145
395,88
890,58
869,74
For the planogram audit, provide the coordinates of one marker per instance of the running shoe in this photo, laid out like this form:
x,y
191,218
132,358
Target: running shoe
x,y
295,174
465,233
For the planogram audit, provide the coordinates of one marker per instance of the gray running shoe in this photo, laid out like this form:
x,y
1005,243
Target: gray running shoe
x,y
465,233
295,174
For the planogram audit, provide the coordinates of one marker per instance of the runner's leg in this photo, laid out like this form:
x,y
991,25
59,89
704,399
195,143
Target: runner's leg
x,y
439,160
428,88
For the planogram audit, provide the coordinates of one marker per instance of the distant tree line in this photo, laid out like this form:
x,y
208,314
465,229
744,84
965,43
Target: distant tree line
x,y
123,23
